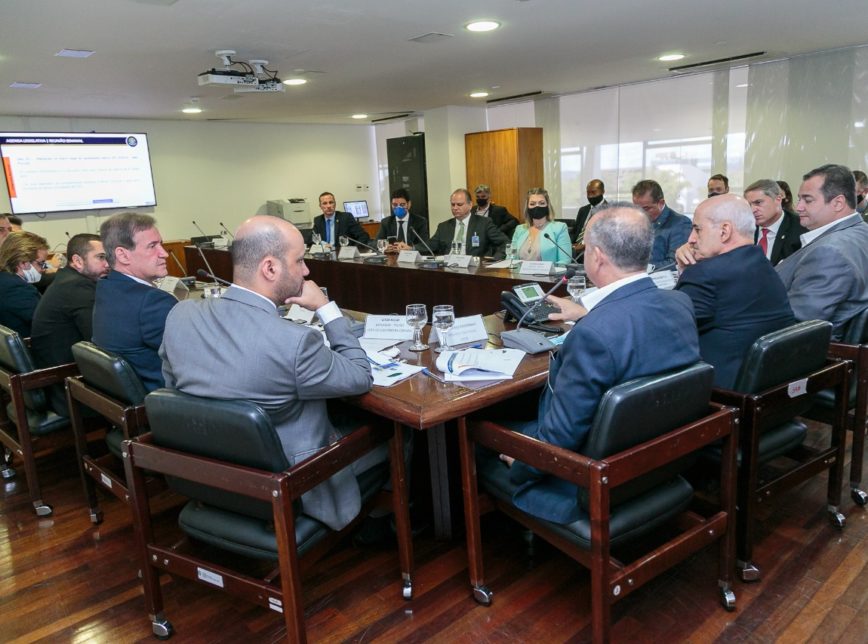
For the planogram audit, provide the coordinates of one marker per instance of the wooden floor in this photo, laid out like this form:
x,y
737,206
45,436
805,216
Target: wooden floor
x,y
65,580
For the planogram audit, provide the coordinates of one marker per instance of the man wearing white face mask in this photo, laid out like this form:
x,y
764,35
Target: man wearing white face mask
x,y
22,257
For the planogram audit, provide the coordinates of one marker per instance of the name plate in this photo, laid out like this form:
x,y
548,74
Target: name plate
x,y
459,261
299,314
408,257
348,252
170,283
387,327
466,329
535,268
317,248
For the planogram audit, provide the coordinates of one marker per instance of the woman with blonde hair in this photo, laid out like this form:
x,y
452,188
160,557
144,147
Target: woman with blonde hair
x,y
22,261
539,238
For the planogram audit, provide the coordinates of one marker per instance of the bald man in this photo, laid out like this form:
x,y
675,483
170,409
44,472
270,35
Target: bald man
x,y
238,347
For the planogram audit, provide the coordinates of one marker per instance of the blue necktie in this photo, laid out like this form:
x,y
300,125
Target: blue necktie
x,y
329,230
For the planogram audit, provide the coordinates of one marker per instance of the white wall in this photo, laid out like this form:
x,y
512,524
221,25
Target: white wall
x,y
214,172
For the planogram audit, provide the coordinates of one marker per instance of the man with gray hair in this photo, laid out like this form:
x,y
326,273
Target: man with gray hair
x,y
238,347
484,207
628,329
129,311
737,295
777,232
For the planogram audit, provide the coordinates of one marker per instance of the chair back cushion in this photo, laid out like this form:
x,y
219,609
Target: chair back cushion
x,y
637,411
109,373
856,331
227,430
15,358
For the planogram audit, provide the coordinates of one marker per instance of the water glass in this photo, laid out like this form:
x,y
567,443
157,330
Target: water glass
x,y
417,317
442,319
576,285
382,245
344,240
316,238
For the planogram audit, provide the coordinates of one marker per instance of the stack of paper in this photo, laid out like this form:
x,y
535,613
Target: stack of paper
x,y
479,364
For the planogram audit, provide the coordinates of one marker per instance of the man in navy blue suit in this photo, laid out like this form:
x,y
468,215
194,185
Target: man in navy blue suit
x,y
737,295
129,312
671,229
628,329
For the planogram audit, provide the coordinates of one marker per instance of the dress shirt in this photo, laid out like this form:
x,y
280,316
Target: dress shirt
x,y
326,313
593,298
811,235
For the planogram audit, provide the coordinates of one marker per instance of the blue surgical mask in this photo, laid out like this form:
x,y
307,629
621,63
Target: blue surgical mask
x,y
399,211
31,275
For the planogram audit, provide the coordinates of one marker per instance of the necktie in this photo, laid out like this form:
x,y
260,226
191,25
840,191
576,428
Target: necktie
x,y
459,236
764,241
401,236
329,223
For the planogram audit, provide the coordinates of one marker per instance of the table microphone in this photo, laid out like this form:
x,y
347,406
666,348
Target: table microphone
x,y
665,267
205,260
198,228
564,279
203,273
379,258
226,229
572,263
427,263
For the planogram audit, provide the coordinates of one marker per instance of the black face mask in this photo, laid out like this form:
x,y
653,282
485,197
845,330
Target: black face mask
x,y
538,212
595,201
482,203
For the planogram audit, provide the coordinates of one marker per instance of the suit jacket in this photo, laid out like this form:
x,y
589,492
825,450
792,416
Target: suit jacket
x,y
671,230
582,217
737,297
389,228
18,301
501,217
128,319
549,252
828,278
638,330
237,347
64,316
787,241
492,242
344,224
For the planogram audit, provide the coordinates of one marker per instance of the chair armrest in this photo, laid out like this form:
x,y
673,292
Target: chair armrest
x,y
48,376
844,351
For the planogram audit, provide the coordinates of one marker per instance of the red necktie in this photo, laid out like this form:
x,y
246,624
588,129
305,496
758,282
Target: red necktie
x,y
764,241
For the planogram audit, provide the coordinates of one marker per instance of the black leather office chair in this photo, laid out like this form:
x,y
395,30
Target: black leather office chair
x,y
108,386
629,485
780,373
226,456
853,347
28,421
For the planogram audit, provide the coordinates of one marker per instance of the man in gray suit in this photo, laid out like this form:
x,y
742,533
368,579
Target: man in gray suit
x,y
828,278
238,347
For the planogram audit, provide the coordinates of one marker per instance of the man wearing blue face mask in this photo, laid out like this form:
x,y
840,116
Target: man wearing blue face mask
x,y
402,229
22,257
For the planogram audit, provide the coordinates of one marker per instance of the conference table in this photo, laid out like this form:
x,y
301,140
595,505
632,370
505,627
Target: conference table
x,y
388,288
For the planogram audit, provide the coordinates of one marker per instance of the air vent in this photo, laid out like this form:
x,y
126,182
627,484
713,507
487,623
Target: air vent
x,y
720,61
392,118
434,36
518,97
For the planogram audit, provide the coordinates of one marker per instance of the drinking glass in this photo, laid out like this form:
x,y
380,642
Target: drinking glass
x,y
576,285
344,240
417,317
513,253
382,245
442,319
316,238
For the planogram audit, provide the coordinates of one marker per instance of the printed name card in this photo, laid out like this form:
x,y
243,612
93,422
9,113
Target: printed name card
x,y
170,283
317,249
348,252
535,268
387,327
299,314
408,257
459,261
466,329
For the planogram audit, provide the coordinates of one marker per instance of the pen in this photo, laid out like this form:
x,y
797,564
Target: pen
x,y
394,375
431,374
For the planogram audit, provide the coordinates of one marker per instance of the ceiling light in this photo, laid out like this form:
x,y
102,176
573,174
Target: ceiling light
x,y
360,116
742,85
295,81
668,58
859,124
478,94
482,25
193,109
74,53
24,85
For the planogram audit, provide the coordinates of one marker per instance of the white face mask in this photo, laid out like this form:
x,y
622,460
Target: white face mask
x,y
31,275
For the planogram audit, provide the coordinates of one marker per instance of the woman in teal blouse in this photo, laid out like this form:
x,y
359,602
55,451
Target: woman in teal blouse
x,y
529,238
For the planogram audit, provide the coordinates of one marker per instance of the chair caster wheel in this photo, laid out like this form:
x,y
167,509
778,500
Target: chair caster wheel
x,y
407,590
42,509
838,520
10,473
748,572
859,496
96,517
162,629
727,598
482,595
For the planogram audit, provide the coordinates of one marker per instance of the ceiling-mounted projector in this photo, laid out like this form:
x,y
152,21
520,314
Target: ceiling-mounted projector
x,y
227,77
266,86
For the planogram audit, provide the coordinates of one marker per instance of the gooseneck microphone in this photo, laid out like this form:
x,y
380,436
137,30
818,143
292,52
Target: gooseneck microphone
x,y
379,258
564,279
178,263
198,228
226,230
205,261
572,263
428,263
203,273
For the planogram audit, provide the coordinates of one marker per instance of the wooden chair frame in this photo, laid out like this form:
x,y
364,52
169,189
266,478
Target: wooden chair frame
x,y
611,580
281,589
766,409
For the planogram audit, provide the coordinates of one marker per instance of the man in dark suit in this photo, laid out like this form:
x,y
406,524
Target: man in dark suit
x,y
737,295
627,329
333,224
501,217
129,312
478,235
64,315
595,191
777,232
671,229
861,192
828,278
401,226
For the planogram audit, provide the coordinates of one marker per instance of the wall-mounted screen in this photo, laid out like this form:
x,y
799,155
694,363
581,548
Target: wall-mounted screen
x,y
63,171
358,209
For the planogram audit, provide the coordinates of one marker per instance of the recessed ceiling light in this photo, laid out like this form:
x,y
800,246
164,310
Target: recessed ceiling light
x,y
742,85
859,124
24,85
482,25
74,53
478,94
192,110
668,58
360,116
295,81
